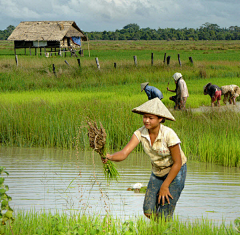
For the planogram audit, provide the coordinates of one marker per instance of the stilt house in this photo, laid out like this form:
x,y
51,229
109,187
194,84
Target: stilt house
x,y
51,36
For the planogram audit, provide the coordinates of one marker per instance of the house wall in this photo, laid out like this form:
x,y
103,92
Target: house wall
x,y
66,42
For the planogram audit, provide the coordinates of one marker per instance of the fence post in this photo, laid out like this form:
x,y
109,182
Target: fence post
x,y
16,59
97,62
151,58
179,61
66,62
135,59
164,59
54,71
168,60
190,59
79,62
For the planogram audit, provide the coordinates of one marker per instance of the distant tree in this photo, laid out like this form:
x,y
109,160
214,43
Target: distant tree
x,y
4,34
132,28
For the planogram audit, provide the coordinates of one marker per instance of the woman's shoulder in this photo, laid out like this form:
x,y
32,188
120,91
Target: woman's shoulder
x,y
141,130
168,131
170,136
166,128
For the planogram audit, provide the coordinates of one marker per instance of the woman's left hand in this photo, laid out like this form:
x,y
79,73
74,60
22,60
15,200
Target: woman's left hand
x,y
164,194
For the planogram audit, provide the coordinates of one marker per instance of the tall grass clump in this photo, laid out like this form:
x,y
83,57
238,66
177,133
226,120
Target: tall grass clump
x,y
210,136
61,223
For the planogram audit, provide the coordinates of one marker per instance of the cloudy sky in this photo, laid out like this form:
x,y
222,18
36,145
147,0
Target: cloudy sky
x,y
109,15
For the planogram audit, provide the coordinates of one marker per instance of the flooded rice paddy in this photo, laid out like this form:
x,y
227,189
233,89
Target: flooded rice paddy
x,y
52,179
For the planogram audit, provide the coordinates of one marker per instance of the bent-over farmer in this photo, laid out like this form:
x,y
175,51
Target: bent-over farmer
x,y
151,91
181,91
214,92
230,92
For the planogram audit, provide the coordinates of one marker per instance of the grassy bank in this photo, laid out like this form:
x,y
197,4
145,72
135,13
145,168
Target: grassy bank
x,y
47,223
212,60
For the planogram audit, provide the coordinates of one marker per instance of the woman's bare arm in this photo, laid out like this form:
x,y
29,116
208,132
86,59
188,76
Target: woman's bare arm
x,y
122,155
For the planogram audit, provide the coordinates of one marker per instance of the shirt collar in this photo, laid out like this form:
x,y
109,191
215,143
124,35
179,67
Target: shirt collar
x,y
145,134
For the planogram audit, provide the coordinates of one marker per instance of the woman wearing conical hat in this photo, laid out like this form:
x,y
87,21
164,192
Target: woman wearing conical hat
x,y
168,161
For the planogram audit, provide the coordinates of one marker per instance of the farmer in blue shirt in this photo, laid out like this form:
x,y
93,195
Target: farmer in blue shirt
x,y
151,91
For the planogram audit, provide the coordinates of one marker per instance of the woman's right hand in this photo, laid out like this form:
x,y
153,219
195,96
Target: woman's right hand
x,y
108,157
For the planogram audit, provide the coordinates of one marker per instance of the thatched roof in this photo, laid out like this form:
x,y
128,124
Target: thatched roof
x,y
46,31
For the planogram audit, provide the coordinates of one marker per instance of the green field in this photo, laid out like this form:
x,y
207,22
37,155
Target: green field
x,y
40,108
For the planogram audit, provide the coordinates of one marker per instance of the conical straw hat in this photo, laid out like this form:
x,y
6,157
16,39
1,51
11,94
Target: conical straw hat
x,y
154,106
143,85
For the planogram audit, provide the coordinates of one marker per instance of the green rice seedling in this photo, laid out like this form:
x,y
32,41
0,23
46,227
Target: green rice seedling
x,y
73,223
97,139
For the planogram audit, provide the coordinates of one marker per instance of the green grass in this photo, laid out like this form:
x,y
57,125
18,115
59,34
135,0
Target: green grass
x,y
41,223
39,109
58,119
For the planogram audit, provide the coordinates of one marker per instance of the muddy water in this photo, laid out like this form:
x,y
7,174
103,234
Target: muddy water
x,y
227,107
53,179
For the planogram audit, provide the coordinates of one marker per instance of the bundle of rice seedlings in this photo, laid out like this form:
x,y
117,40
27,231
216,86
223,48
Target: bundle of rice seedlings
x,y
97,140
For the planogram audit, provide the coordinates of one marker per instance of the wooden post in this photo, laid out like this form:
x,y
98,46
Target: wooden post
x,y
151,58
164,59
54,71
115,65
30,50
190,59
79,62
97,62
81,52
88,47
168,60
16,59
135,59
66,63
179,61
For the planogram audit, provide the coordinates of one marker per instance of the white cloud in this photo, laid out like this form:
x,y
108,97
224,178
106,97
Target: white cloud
x,y
99,15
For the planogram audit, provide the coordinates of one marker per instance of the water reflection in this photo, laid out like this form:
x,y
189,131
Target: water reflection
x,y
61,179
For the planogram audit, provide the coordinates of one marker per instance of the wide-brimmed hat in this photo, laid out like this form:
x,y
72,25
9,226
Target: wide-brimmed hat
x,y
176,76
154,106
143,85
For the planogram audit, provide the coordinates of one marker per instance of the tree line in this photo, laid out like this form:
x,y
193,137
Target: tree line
x,y
207,31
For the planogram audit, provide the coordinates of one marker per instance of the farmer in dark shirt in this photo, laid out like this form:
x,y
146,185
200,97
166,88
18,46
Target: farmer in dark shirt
x,y
214,92
151,91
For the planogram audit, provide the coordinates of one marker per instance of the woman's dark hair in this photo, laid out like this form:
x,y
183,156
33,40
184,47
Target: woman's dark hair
x,y
163,119
177,83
